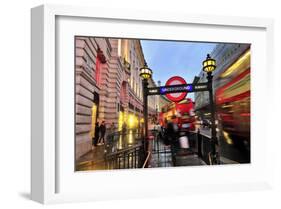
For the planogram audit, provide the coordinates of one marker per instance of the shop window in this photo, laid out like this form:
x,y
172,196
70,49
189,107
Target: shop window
x,y
94,120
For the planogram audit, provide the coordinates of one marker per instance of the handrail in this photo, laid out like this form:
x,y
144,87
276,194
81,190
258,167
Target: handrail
x,y
146,160
121,132
125,158
123,150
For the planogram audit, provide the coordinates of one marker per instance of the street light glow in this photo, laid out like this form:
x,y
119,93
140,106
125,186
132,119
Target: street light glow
x,y
145,72
209,65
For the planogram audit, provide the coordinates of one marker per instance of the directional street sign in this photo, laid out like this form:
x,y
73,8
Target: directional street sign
x,y
201,87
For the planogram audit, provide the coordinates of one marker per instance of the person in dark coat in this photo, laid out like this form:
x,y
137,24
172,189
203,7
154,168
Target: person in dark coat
x,y
97,134
112,128
102,132
124,128
172,131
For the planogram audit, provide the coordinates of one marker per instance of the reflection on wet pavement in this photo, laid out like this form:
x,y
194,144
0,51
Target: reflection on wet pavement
x,y
122,151
95,159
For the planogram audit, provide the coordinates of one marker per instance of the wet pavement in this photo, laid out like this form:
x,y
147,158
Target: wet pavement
x,y
161,155
189,160
93,160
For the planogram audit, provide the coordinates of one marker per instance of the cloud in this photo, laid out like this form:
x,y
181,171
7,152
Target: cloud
x,y
169,58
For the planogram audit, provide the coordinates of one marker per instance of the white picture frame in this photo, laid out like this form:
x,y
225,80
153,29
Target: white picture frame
x,y
50,182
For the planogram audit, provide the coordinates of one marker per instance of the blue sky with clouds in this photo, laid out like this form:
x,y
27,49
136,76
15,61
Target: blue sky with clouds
x,y
175,58
170,58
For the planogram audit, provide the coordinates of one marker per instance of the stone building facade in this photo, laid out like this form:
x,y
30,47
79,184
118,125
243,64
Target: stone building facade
x,y
108,86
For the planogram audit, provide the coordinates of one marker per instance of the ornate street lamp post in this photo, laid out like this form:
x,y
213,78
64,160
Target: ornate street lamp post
x,y
146,74
209,65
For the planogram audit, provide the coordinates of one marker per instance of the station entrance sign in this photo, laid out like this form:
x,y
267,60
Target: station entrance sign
x,y
175,97
178,92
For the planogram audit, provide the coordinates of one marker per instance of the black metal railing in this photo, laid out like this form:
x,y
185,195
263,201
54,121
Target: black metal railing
x,y
124,150
121,140
127,158
127,151
161,153
202,145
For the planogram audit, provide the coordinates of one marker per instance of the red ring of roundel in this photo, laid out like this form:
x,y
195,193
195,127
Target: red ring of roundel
x,y
182,95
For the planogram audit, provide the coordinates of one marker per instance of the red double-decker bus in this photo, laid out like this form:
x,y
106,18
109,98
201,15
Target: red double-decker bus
x,y
181,113
233,103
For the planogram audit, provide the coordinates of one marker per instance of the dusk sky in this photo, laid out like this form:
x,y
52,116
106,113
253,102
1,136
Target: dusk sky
x,y
171,58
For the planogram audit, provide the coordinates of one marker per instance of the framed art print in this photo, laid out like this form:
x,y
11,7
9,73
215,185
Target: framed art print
x,y
129,104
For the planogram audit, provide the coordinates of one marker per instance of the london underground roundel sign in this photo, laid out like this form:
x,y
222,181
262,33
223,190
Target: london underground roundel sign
x,y
176,97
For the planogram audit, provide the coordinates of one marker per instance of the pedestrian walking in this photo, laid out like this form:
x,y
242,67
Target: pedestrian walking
x,y
96,135
102,132
172,137
112,128
158,128
124,128
171,132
